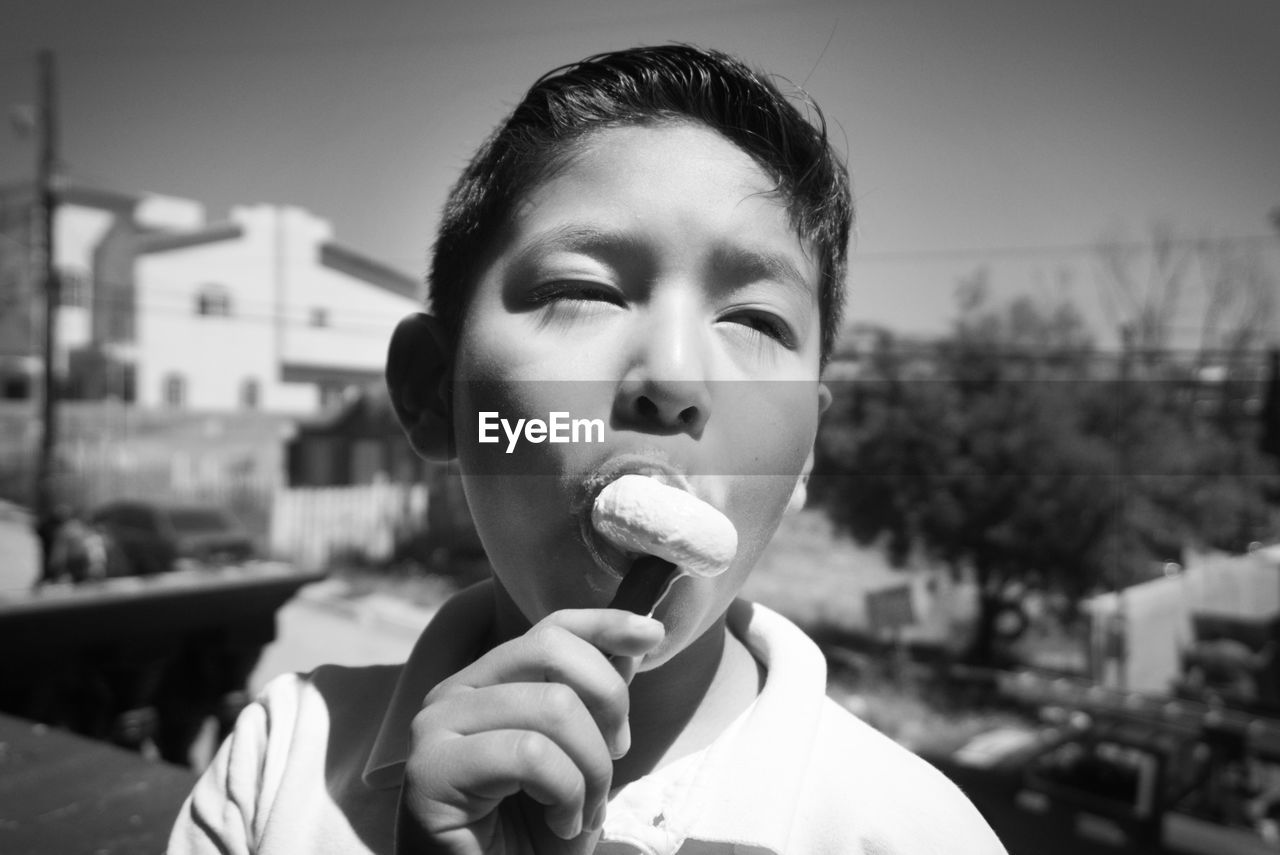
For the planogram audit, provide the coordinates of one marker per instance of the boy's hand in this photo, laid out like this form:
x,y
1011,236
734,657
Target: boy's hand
x,y
514,754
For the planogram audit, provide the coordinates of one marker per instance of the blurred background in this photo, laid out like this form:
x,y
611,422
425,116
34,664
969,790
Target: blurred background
x,y
1041,540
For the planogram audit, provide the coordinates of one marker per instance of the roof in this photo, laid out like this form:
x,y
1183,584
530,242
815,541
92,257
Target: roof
x,y
346,260
333,255
167,241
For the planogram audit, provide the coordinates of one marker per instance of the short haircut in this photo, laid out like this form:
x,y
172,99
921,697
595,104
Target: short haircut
x,y
646,86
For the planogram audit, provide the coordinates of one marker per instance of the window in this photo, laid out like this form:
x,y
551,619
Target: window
x,y
213,301
15,387
250,393
73,288
122,379
319,317
174,392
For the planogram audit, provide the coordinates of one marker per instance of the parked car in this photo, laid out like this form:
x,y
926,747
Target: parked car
x,y
154,537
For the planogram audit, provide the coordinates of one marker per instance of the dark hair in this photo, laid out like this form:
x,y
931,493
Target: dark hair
x,y
646,85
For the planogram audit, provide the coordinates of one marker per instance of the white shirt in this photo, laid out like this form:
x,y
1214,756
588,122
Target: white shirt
x,y
315,766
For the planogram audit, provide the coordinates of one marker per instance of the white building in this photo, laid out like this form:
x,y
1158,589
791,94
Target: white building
x,y
161,307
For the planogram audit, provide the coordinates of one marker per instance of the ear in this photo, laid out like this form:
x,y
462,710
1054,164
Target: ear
x,y
419,367
801,492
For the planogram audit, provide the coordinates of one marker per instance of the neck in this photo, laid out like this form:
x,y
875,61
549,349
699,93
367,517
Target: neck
x,y
666,700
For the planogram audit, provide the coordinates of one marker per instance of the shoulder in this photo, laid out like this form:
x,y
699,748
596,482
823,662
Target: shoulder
x,y
287,747
333,703
843,737
903,803
857,789
298,723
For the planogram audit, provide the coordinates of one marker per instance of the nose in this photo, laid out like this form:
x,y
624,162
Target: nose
x,y
665,389
664,406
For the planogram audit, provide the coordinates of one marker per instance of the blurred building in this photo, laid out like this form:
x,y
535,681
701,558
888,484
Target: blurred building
x,y
357,443
163,308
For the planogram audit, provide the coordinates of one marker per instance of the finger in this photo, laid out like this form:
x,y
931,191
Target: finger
x,y
561,639
568,647
473,774
552,709
542,839
613,631
535,654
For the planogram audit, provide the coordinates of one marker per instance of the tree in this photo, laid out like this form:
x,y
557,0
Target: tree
x,y
1212,296
1197,314
1001,451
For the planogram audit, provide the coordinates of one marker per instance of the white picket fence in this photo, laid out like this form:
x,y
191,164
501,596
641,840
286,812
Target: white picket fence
x,y
312,525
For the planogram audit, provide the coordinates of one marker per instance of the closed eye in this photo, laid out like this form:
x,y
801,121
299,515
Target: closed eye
x,y
574,291
766,324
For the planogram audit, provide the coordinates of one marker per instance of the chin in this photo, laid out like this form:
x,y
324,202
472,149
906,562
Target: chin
x,y
687,619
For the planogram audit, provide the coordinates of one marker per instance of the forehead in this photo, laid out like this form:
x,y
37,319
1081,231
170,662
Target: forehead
x,y
678,182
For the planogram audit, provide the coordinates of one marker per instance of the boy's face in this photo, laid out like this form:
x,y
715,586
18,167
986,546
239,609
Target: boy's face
x,y
654,283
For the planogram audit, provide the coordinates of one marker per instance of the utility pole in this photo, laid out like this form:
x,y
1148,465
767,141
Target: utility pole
x,y
46,201
1269,438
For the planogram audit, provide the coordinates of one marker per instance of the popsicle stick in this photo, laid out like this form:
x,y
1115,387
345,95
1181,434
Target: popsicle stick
x,y
644,585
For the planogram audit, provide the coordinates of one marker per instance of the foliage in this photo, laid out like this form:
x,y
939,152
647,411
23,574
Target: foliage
x,y
1011,449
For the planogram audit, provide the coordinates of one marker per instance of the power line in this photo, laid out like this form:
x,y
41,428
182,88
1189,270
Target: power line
x,y
255,260
1049,354
247,259
371,328
181,300
942,254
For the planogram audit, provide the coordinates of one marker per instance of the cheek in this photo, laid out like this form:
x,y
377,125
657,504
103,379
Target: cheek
x,y
516,384
526,542
530,427
757,509
773,437
766,429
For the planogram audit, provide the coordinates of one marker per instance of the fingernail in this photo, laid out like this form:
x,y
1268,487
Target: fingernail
x,y
647,625
569,828
627,668
597,818
624,738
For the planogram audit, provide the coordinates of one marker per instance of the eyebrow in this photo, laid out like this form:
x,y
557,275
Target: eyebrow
x,y
584,238
741,265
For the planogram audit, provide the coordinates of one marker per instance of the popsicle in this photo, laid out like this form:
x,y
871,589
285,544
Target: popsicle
x,y
673,533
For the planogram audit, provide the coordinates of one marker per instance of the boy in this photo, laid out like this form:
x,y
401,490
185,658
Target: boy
x,y
655,241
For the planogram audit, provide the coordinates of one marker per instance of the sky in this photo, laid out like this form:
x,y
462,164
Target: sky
x,y
1009,135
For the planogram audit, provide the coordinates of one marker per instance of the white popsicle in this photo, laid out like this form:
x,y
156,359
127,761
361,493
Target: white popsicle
x,y
642,515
